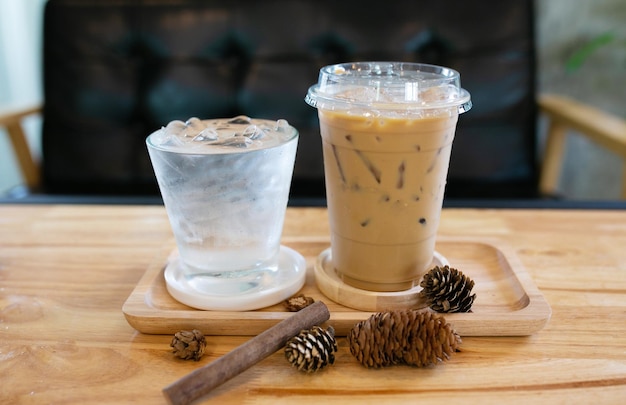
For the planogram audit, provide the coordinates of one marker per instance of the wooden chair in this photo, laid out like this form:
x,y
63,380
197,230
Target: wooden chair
x,y
11,121
566,114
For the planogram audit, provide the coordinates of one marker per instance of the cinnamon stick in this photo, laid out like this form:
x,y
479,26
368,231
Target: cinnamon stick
x,y
203,380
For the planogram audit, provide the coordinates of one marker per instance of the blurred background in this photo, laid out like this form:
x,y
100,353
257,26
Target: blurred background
x,y
581,53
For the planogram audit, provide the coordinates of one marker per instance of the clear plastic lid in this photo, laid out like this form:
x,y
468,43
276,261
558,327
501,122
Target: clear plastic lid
x,y
388,86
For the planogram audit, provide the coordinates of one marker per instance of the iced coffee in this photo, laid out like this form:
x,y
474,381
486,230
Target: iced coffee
x,y
387,131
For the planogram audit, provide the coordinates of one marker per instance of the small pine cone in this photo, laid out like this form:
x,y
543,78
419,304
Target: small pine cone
x,y
447,290
298,302
188,344
312,349
413,337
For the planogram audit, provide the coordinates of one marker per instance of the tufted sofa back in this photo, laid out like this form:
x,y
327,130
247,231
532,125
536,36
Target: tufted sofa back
x,y
114,71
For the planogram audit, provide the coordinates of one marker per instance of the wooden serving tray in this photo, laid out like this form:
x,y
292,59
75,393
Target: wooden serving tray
x,y
507,301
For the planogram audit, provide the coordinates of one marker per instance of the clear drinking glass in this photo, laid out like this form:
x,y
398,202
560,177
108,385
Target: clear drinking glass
x,y
225,184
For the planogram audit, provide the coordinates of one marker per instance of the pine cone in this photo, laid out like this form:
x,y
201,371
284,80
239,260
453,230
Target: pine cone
x,y
447,290
413,337
298,302
188,344
312,349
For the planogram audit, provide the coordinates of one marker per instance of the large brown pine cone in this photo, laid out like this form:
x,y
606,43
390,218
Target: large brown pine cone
x,y
414,337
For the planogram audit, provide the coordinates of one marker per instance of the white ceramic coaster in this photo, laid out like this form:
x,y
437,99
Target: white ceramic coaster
x,y
331,285
264,288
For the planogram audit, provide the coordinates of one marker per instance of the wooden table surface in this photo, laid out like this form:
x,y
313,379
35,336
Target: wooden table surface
x,y
66,271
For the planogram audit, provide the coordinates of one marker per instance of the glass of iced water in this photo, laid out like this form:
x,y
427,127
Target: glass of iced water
x,y
225,184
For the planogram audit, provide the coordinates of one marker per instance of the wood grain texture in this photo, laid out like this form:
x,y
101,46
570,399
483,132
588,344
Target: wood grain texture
x,y
66,271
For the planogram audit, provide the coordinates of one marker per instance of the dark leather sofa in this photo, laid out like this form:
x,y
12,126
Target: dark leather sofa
x,y
114,71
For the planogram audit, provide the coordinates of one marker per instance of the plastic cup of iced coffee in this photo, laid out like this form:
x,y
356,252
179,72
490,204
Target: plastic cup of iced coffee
x,y
225,185
387,130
